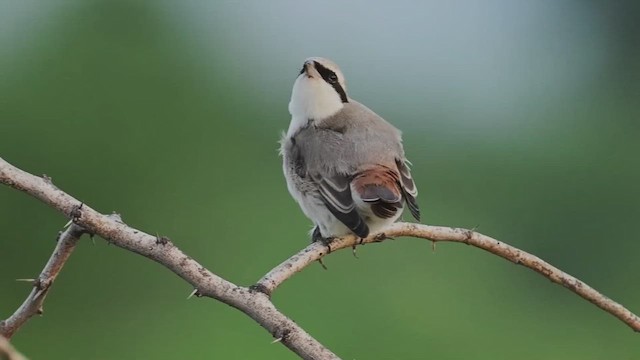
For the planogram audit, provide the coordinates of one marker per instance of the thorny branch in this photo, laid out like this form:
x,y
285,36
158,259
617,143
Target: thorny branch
x,y
254,301
160,249
32,305
316,251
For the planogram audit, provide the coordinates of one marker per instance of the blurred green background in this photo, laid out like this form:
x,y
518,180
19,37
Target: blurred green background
x,y
520,117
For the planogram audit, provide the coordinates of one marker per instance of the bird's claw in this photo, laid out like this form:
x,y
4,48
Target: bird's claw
x,y
316,236
382,237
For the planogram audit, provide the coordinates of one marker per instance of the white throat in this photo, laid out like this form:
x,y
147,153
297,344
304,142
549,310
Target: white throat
x,y
311,99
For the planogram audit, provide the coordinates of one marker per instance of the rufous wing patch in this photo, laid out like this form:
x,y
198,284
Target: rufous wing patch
x,y
379,186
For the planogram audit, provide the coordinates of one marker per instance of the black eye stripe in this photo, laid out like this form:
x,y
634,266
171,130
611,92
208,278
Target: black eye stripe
x,y
327,75
324,72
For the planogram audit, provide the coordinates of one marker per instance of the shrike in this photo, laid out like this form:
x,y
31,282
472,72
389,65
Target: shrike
x,y
344,164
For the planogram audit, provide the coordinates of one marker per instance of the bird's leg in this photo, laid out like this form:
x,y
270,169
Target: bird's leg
x,y
317,236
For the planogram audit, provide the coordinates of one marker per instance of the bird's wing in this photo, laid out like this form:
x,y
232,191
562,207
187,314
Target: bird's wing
x,y
314,150
335,191
409,189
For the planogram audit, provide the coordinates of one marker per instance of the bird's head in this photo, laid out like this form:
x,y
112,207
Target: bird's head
x,y
319,91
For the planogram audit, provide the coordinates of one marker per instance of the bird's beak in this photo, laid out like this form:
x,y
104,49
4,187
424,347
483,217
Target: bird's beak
x,y
308,68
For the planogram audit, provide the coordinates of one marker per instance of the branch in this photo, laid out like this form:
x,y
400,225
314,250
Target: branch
x,y
316,251
32,305
7,352
160,249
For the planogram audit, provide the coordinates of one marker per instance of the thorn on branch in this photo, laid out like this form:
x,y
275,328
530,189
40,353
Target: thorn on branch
x,y
433,246
47,179
76,212
281,335
195,293
162,240
32,281
322,264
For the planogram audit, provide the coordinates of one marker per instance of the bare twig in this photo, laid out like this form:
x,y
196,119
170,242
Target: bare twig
x,y
32,305
253,303
7,352
316,251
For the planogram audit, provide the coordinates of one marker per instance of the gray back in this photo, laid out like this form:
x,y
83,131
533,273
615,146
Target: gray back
x,y
352,138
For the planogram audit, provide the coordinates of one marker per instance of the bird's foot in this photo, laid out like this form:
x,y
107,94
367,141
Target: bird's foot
x,y
382,237
326,241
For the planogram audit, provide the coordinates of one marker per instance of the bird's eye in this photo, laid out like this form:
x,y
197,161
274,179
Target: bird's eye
x,y
333,78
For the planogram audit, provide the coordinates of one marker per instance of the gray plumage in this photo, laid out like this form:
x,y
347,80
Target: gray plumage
x,y
347,170
353,137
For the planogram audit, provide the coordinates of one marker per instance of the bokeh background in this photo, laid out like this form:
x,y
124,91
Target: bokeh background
x,y
522,118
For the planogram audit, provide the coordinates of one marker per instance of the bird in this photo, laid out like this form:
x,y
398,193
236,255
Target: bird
x,y
343,164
